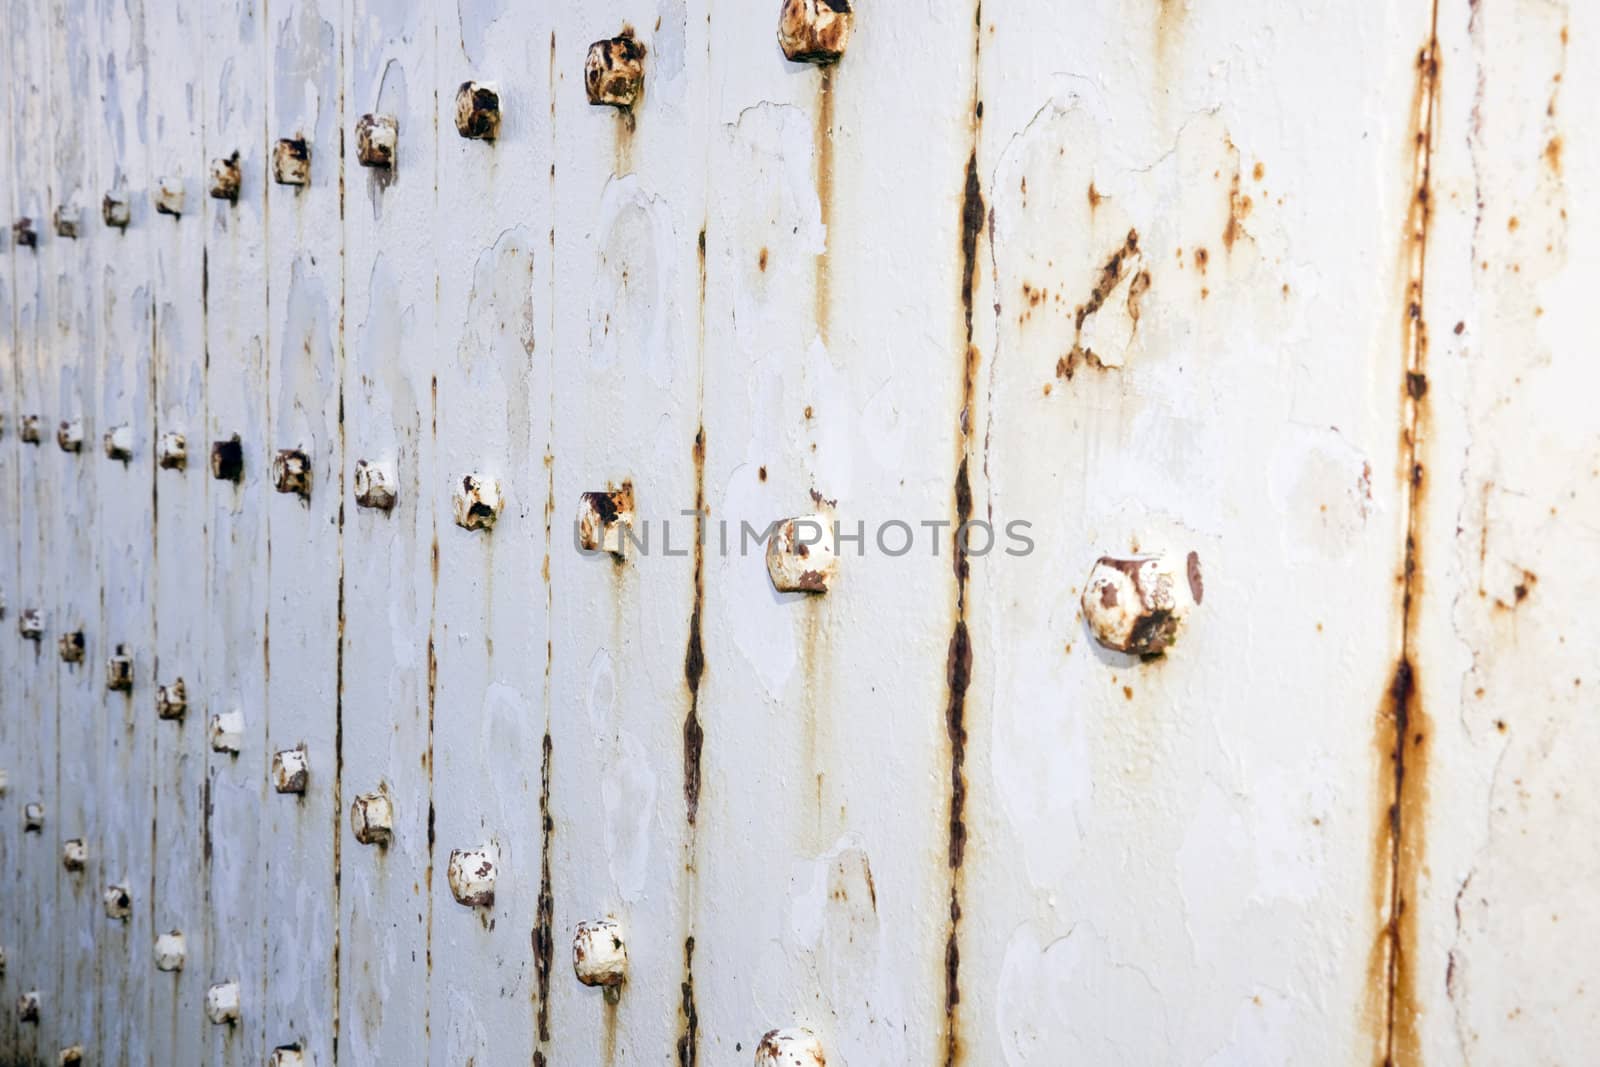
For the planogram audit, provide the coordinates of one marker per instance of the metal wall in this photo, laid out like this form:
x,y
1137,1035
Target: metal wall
x,y
1302,289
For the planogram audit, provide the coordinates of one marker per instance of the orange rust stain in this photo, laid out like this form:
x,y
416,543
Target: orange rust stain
x,y
1094,197
1111,275
1552,155
1260,172
762,261
824,143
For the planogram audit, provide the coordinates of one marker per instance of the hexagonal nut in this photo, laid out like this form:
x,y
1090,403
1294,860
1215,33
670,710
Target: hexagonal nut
x,y
70,646
118,902
172,700
287,1056
74,854
601,518
33,818
472,873
172,451
291,161
1137,604
28,430
71,1056
477,502
119,442
116,210
227,459
814,31
599,954
23,234
372,818
291,770
226,732
119,670
225,178
478,111
792,1047
69,435
374,485
66,219
28,1007
171,951
801,555
222,1003
168,197
291,472
613,73
30,624
376,138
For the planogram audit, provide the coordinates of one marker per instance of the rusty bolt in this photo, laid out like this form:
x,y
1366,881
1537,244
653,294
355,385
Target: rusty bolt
x,y
372,818
291,161
801,556
227,731
477,502
30,624
172,700
172,451
227,459
69,435
23,234
793,1047
614,71
1137,604
472,873
119,670
225,177
71,1056
66,220
601,518
287,1056
119,442
291,769
118,901
168,197
376,137
291,472
74,854
478,111
115,210
171,949
28,431
70,645
28,1007
33,818
222,1003
599,956
374,485
814,31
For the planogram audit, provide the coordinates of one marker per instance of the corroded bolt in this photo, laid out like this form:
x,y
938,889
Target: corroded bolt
x,y
287,1056
33,818
1137,604
376,137
69,435
28,431
119,442
119,670
291,769
291,472
66,220
171,949
172,451
172,700
70,645
168,197
74,854
227,459
227,732
599,956
23,234
601,518
116,211
118,902
792,1047
478,111
472,873
225,177
222,1003
28,1007
814,31
372,818
801,557
291,161
30,624
374,485
613,73
71,1056
477,502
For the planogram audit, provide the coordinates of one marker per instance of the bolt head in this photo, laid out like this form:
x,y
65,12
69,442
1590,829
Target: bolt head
x,y
69,435
227,732
119,442
171,950
115,210
599,954
801,556
291,472
791,1047
374,485
169,196
172,451
376,138
172,700
119,670
1138,604
118,902
33,818
477,502
225,178
28,430
30,624
74,854
291,770
23,234
222,1003
71,1056
28,1006
478,111
613,73
372,818
815,31
601,518
291,161
66,219
70,645
227,459
287,1056
472,875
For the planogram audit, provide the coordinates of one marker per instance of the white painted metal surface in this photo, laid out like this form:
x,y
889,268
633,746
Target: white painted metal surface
x,y
1301,291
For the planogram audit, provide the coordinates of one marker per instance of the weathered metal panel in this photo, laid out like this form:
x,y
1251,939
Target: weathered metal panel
x,y
11,652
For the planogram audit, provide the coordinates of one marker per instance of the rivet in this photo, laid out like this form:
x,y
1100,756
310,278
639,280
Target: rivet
x,y
33,818
291,769
74,854
291,161
800,554
119,442
792,1047
601,518
70,645
28,430
115,210
169,196
376,137
66,220
71,1056
69,435
222,1003
472,874
225,178
374,485
30,624
613,73
372,818
172,700
23,234
119,670
287,1056
291,472
1137,604
227,459
171,950
478,111
600,956
172,451
815,31
477,502
227,732
28,1007
118,902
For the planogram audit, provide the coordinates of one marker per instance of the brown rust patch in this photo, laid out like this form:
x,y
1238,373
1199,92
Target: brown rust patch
x,y
694,660
824,143
544,928
689,1016
1112,273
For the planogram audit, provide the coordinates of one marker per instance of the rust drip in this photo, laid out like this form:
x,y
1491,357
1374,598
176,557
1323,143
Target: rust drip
x,y
689,1038
544,928
694,660
824,139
